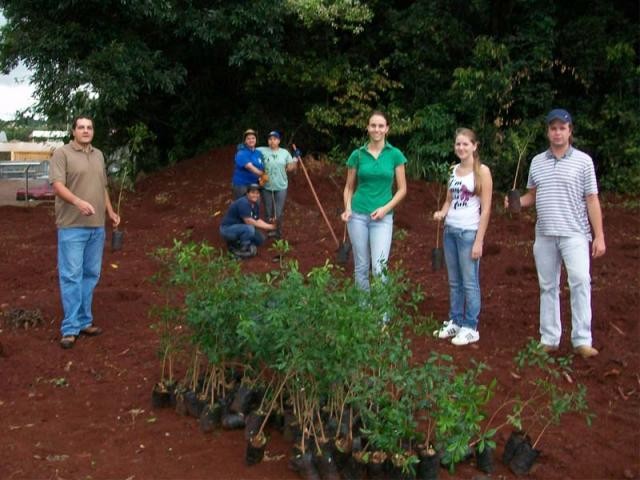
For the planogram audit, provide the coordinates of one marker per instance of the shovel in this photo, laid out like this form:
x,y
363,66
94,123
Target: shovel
x,y
342,256
315,195
437,253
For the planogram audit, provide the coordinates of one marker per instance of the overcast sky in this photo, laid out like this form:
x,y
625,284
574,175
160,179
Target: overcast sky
x,y
15,91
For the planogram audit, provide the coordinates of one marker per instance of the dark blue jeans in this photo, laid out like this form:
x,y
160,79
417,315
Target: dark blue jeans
x,y
242,233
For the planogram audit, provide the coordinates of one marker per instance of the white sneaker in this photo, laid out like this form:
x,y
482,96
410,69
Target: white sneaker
x,y
447,330
465,336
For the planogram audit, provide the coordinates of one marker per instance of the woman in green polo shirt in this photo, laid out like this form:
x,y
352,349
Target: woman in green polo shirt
x,y
369,199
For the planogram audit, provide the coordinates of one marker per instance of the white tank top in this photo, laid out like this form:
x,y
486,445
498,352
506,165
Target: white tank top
x,y
464,211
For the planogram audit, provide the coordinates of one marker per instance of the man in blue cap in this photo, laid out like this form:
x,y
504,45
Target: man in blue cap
x,y
562,185
239,227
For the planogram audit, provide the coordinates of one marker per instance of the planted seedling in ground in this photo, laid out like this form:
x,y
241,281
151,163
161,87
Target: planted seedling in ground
x,y
549,398
280,248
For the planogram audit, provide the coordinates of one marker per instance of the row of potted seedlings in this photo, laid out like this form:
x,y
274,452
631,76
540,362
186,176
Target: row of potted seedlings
x,y
309,355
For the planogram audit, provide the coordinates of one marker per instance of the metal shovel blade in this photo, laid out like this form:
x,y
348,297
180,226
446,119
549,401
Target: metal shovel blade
x,y
344,249
437,254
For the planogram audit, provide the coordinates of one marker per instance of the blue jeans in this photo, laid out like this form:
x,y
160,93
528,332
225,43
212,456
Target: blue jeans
x,y
79,263
274,204
242,233
371,244
464,277
549,252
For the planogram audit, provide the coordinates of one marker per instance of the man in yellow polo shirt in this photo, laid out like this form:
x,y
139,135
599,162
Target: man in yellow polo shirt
x,y
77,173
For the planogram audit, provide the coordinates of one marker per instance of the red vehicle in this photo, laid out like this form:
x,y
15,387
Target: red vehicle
x,y
37,191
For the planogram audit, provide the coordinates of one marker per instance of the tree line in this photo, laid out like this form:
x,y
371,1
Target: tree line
x,y
179,76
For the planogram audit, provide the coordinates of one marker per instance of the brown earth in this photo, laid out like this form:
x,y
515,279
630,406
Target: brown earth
x,y
85,413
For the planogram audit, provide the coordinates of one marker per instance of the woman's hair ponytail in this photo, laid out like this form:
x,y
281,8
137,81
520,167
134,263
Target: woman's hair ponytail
x,y
477,163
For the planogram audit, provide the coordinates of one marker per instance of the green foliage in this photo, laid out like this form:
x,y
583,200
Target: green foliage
x,y
197,74
21,127
343,14
533,355
614,134
400,234
138,154
141,148
458,404
353,90
549,395
281,248
431,146
426,326
319,344
512,154
632,204
484,87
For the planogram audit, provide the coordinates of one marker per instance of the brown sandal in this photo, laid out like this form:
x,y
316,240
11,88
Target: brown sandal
x,y
67,341
91,331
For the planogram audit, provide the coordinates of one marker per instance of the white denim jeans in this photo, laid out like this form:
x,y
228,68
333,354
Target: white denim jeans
x,y
549,252
371,243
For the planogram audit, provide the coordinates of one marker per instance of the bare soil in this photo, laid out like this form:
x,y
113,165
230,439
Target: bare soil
x,y
86,412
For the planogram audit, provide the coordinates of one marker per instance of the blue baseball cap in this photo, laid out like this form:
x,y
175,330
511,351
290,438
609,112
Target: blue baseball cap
x,y
274,133
559,114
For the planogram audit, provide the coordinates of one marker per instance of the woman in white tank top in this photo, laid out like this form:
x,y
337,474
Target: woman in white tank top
x,y
466,212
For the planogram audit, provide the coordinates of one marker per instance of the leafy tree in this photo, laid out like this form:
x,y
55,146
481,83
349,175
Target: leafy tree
x,y
195,74
20,128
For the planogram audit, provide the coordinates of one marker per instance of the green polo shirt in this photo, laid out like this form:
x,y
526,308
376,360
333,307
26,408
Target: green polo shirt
x,y
374,177
84,174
